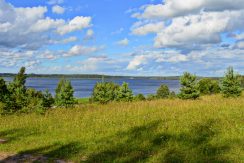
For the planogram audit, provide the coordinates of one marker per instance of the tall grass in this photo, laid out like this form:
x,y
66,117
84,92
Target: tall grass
x,y
210,129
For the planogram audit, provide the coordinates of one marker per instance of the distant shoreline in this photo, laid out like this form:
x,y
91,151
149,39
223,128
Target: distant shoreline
x,y
96,76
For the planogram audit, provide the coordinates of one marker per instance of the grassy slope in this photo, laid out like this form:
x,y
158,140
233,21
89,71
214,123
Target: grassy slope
x,y
207,130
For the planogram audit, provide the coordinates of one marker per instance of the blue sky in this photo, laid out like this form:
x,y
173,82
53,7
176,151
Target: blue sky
x,y
140,37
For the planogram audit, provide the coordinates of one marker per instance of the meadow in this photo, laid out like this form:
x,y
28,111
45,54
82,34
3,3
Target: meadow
x,y
210,129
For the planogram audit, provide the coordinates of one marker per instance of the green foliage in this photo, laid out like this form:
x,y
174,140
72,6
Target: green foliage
x,y
2,108
208,86
242,82
151,97
139,97
20,78
104,92
47,99
124,93
188,87
33,101
17,98
163,91
231,84
172,95
64,94
3,90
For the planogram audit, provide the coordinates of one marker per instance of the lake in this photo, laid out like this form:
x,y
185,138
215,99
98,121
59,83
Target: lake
x,y
84,87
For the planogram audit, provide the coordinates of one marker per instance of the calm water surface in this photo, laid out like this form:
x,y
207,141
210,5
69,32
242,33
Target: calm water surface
x,y
84,87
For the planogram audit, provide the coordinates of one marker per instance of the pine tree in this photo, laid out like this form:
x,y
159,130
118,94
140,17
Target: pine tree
x,y
231,84
104,92
188,88
124,93
64,94
163,91
17,98
3,90
47,100
208,86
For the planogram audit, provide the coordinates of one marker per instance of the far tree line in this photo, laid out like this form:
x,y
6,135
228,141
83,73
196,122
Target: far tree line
x,y
15,97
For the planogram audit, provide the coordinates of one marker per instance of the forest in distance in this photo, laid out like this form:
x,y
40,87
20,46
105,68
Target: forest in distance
x,y
98,76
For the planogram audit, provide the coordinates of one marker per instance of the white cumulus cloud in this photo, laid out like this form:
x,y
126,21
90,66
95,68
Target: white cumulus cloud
x,y
58,9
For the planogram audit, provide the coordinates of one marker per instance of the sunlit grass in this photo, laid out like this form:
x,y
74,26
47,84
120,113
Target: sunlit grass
x,y
210,129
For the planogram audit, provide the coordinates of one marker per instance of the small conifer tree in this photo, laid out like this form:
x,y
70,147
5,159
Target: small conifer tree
x,y
208,86
104,92
163,91
3,90
124,93
47,100
188,88
231,84
64,94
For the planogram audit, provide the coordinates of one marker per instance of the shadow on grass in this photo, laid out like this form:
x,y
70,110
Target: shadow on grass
x,y
18,134
47,153
142,144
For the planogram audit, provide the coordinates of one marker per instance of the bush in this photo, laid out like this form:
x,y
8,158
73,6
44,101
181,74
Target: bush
x,y
163,91
242,82
208,86
104,92
172,95
151,97
64,94
124,93
139,97
47,99
3,90
17,98
231,84
188,88
2,108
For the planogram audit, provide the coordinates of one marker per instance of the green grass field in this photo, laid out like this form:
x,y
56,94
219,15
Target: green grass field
x,y
210,129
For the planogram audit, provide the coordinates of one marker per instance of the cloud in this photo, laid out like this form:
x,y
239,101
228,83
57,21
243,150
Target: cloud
x,y
58,9
148,28
29,28
78,23
240,45
175,8
208,61
89,34
205,28
53,2
137,61
190,24
123,42
81,50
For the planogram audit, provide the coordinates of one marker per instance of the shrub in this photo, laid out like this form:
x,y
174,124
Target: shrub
x,y
231,84
242,82
64,94
139,97
163,91
151,97
17,98
33,101
188,88
172,95
3,90
208,86
104,92
124,93
47,99
2,108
